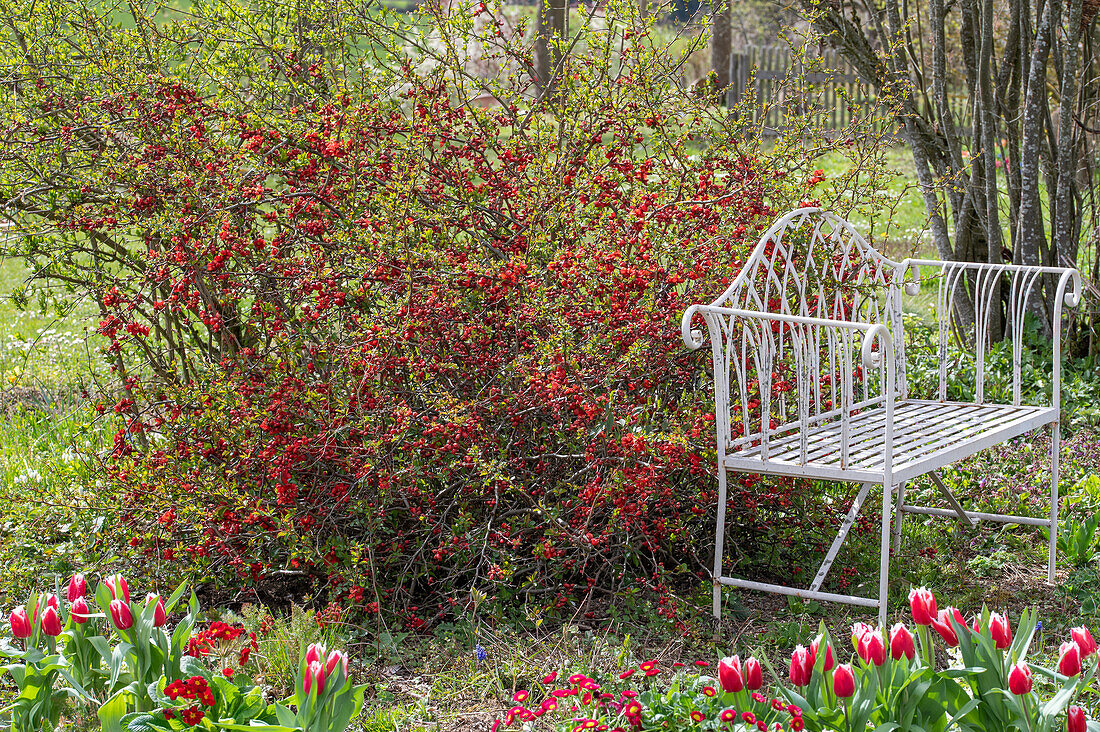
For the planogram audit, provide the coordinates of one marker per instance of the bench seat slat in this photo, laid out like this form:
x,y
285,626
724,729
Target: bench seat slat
x,y
924,432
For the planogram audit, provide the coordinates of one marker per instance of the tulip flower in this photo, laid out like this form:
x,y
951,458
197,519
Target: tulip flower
x,y
872,648
116,583
1075,719
754,675
120,614
315,678
1019,679
50,600
902,643
20,624
801,666
78,611
51,622
1000,630
815,647
160,616
844,681
1083,638
78,587
942,625
729,674
861,641
339,658
1069,659
922,603
858,631
946,632
316,652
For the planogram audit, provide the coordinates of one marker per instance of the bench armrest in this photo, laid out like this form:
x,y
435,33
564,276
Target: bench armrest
x,y
982,283
778,374
1065,275
693,337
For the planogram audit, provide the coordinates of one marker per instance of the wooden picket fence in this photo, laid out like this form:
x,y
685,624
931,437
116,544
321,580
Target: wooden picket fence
x,y
777,83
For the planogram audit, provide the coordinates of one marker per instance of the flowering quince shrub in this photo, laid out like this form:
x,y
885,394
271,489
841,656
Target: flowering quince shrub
x,y
365,330
887,681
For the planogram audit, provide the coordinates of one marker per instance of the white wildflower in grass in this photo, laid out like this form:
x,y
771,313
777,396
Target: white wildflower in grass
x,y
29,477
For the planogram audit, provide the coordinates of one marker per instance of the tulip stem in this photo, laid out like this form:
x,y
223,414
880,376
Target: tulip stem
x,y
1027,717
926,648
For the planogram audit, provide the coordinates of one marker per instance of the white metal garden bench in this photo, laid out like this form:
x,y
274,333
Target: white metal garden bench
x,y
809,377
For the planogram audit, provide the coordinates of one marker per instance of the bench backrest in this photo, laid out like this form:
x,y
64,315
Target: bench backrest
x,y
773,376
814,264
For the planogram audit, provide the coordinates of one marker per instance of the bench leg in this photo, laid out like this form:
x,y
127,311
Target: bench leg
x,y
884,555
942,488
1052,550
719,543
900,515
845,526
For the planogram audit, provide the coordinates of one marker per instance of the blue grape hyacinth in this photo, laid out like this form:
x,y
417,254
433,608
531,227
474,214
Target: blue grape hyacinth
x,y
479,651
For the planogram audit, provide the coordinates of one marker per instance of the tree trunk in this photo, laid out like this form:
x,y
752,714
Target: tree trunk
x,y
721,40
552,21
988,143
1064,246
1031,232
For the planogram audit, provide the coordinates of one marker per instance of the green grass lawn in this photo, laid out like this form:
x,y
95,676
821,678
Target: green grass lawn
x,y
47,438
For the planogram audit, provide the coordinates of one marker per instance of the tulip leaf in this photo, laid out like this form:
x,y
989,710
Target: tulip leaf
x,y
76,687
174,598
1025,632
33,655
284,715
963,711
9,651
1060,700
1049,673
348,708
957,673
103,598
17,671
114,709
